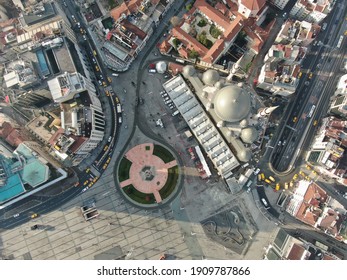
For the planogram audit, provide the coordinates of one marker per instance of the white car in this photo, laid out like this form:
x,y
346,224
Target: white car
x,y
256,172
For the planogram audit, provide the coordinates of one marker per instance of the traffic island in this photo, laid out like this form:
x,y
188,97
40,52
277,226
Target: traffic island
x,y
148,175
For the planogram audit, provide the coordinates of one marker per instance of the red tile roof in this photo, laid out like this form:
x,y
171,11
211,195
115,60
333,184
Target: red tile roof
x,y
134,29
189,41
253,4
125,8
296,253
165,46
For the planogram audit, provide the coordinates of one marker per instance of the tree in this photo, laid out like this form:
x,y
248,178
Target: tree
x,y
176,42
215,32
189,6
193,54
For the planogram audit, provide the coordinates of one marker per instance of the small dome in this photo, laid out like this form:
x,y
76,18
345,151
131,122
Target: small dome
x,y
244,123
219,84
161,67
188,71
232,104
210,77
249,134
244,155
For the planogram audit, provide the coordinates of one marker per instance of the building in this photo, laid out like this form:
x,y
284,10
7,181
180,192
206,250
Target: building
x,y
313,206
299,33
288,247
279,3
339,106
221,115
313,11
23,172
133,25
327,152
80,127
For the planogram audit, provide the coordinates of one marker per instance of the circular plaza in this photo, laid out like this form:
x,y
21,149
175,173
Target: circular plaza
x,y
148,175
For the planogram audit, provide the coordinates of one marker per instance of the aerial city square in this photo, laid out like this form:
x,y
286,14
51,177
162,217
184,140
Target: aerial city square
x,y
173,130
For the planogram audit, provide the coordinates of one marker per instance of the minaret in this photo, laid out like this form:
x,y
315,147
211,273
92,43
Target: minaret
x,y
263,112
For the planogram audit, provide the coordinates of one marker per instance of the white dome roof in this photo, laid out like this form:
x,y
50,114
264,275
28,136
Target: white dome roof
x,y
249,134
244,155
232,104
210,77
161,67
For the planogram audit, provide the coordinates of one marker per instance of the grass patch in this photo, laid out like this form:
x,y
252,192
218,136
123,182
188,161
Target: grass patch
x,y
171,182
215,32
124,168
163,153
138,196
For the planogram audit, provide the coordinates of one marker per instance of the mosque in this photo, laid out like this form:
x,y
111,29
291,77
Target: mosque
x,y
205,100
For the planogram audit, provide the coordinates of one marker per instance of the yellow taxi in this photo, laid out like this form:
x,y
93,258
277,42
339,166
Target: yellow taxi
x,y
104,84
262,176
286,186
95,179
315,123
108,160
88,170
106,147
85,182
107,93
116,99
302,173
105,166
295,176
94,52
109,79
295,119
35,215
90,184
267,181
291,184
300,74
310,76
314,173
308,167
278,187
97,68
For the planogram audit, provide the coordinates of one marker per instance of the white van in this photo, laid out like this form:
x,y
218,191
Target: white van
x,y
115,74
120,120
175,113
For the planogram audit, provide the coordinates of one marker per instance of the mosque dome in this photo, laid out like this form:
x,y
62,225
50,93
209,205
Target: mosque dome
x,y
210,77
249,134
188,71
219,84
244,155
232,104
244,123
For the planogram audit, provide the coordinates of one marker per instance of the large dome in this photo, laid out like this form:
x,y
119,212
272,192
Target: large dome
x,y
244,155
249,134
210,77
232,104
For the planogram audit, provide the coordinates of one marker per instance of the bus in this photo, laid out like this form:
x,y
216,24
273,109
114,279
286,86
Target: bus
x,y
180,60
339,42
311,111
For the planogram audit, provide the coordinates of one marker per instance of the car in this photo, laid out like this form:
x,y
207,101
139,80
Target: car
x,y
65,4
300,74
107,93
35,215
291,184
314,173
262,175
88,170
267,181
310,75
263,200
279,143
324,26
152,71
85,183
15,215
104,166
108,160
94,60
286,185
100,83
315,122
104,84
84,189
164,35
106,147
284,15
115,74
295,177
94,53
97,68
249,190
167,76
101,77
295,119
117,100
109,79
109,139
259,177
272,179
256,172
278,187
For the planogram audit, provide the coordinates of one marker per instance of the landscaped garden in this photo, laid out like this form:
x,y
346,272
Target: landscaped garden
x,y
163,153
138,196
124,168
